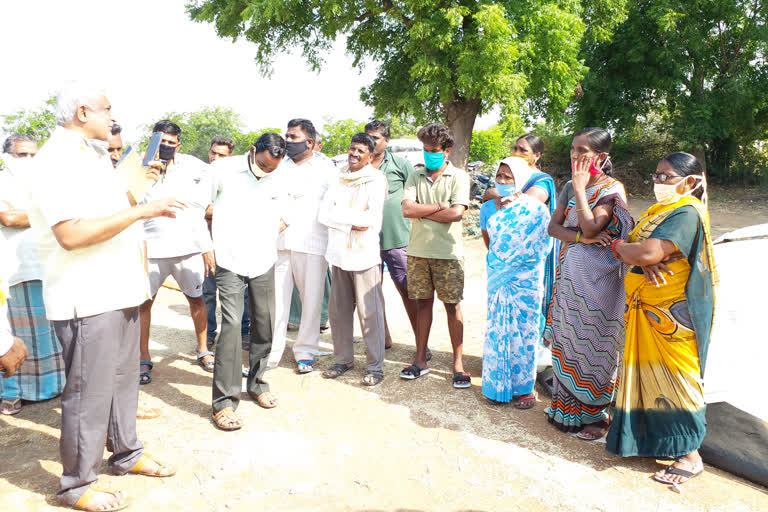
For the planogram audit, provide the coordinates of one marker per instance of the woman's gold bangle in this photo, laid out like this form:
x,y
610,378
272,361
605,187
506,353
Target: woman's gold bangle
x,y
580,210
578,235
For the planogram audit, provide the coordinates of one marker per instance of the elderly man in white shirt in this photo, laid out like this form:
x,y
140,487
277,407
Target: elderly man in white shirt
x,y
301,255
245,190
93,282
179,247
353,210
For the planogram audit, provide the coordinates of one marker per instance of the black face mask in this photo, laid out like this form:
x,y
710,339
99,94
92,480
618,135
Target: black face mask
x,y
294,149
166,152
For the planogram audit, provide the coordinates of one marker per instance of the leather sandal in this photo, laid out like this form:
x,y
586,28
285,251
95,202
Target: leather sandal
x,y
85,500
227,420
146,461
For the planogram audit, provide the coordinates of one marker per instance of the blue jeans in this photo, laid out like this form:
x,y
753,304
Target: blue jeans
x,y
209,295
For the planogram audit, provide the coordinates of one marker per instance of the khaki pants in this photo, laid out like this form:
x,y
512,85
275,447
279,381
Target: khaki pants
x,y
362,290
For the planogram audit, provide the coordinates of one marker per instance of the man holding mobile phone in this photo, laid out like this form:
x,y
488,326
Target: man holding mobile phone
x,y
93,282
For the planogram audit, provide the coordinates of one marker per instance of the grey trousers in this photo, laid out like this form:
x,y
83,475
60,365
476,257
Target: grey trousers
x,y
361,289
100,397
227,372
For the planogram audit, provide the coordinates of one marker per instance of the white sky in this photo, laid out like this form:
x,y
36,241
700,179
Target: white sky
x,y
124,45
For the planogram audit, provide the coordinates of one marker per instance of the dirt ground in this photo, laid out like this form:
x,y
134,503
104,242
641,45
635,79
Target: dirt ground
x,y
340,446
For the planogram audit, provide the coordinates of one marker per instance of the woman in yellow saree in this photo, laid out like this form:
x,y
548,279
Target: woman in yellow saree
x,y
660,410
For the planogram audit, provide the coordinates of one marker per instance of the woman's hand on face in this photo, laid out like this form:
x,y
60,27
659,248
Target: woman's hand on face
x,y
580,175
603,238
654,274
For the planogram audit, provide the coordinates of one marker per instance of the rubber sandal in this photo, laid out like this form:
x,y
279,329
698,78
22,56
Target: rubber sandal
x,y
305,366
205,366
336,370
372,379
462,380
524,401
672,470
145,376
91,492
10,407
146,461
227,420
413,372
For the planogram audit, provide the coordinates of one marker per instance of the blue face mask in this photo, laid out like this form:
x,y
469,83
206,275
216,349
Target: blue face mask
x,y
505,190
433,161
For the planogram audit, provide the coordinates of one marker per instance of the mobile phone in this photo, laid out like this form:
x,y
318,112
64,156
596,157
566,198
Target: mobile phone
x,y
125,153
154,145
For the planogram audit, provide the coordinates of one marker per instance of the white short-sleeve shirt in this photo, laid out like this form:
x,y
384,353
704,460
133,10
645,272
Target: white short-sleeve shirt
x,y
22,264
73,178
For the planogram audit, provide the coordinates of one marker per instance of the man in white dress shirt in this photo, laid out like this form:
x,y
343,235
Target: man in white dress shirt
x,y
353,209
245,191
305,176
179,247
94,279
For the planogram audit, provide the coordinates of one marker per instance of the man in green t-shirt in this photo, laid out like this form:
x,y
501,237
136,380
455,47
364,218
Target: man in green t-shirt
x,y
435,199
395,229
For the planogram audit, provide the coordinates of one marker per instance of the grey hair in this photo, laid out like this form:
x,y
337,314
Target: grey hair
x,y
72,96
14,138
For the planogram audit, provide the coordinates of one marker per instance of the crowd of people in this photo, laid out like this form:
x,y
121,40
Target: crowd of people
x,y
83,261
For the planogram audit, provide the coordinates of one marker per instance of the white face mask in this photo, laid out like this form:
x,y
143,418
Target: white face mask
x,y
255,169
668,194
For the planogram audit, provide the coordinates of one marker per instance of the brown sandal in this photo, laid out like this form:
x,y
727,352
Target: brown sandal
x,y
266,400
227,420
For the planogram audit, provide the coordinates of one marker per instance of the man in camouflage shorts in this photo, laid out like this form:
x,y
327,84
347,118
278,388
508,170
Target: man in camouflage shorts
x,y
435,198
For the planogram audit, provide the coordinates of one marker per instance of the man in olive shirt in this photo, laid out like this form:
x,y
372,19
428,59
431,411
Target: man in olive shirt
x,y
435,199
395,229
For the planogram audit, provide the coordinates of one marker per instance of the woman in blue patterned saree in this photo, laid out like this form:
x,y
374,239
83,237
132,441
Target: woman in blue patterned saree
x,y
514,228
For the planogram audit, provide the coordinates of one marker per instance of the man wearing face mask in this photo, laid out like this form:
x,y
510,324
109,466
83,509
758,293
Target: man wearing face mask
x,y
246,188
179,247
301,255
435,199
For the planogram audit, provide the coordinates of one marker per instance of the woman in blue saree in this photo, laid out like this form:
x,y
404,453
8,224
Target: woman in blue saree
x,y
514,228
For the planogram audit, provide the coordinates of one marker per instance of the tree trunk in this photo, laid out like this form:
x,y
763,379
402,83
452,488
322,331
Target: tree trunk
x,y
719,155
460,118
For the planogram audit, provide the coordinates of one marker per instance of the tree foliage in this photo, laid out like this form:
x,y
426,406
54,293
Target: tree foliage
x,y
490,146
200,126
696,69
337,134
38,122
446,60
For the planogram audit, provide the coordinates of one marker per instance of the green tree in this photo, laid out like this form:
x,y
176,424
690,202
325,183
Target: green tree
x,y
38,122
336,135
200,126
447,60
489,146
695,69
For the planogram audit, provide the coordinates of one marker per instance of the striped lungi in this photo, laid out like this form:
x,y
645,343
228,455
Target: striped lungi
x,y
41,376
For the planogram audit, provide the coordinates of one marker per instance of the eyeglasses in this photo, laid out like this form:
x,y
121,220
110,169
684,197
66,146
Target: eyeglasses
x,y
661,178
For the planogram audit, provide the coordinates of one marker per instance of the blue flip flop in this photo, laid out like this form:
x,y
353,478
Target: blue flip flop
x,y
145,376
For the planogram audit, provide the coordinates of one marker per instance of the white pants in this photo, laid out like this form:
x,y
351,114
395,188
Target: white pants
x,y
308,272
